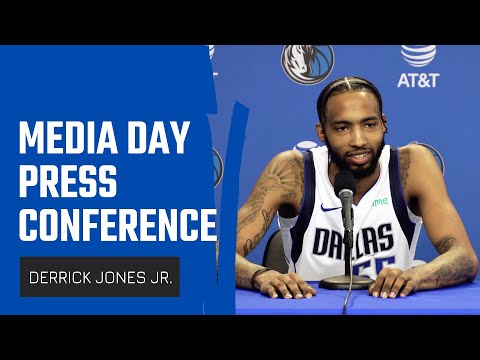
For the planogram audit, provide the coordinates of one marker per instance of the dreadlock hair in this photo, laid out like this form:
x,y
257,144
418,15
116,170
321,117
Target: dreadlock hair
x,y
341,85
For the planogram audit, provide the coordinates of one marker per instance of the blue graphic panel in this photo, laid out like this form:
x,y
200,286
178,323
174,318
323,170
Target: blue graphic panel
x,y
124,170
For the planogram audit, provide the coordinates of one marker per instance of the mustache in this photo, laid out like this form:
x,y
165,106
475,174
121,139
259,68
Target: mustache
x,y
358,151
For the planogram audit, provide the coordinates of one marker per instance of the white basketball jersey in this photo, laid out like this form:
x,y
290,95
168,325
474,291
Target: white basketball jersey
x,y
385,231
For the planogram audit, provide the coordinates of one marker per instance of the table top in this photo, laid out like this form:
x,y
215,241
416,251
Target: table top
x,y
457,300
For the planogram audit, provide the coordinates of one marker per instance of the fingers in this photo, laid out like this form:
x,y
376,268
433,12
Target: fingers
x,y
408,289
375,288
384,282
288,286
270,291
307,290
284,291
399,284
391,283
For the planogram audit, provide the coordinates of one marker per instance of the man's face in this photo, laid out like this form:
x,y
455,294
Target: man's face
x,y
353,132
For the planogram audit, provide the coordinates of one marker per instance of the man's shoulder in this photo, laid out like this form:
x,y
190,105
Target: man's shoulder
x,y
417,164
292,157
289,155
414,153
298,155
286,169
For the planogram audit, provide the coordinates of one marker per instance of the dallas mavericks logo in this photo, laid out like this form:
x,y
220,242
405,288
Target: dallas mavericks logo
x,y
217,168
307,64
419,55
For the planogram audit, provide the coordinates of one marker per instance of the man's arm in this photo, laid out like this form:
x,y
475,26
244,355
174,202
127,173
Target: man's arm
x,y
425,188
279,186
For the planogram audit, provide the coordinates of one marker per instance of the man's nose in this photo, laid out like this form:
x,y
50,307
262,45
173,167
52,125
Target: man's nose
x,y
358,138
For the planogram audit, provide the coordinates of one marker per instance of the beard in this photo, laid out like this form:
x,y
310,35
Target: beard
x,y
358,173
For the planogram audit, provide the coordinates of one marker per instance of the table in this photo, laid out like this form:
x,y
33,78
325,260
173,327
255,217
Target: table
x,y
457,300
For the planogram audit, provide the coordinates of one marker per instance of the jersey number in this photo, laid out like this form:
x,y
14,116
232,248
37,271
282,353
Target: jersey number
x,y
379,264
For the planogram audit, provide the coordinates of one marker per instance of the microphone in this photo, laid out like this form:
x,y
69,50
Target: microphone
x,y
345,189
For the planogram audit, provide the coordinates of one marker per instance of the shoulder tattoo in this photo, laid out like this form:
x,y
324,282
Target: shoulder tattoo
x,y
404,167
284,176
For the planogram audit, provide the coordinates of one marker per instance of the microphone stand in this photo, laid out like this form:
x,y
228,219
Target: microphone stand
x,y
342,282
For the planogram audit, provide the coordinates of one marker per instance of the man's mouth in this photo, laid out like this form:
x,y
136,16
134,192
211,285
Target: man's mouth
x,y
360,158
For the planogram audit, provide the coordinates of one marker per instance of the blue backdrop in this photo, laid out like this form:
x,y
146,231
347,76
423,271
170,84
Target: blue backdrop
x,y
433,104
117,84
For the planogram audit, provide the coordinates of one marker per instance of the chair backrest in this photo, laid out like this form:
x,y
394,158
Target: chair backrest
x,y
273,256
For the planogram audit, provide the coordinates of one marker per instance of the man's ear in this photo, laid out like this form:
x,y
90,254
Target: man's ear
x,y
320,132
384,122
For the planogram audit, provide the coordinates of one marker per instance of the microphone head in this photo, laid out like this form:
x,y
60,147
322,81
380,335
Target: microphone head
x,y
344,180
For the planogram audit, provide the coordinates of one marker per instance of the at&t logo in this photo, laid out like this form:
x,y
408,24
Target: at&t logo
x,y
418,56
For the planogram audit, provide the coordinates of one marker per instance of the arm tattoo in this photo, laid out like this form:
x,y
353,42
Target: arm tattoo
x,y
404,166
451,274
242,277
457,270
445,244
295,179
251,243
243,272
282,176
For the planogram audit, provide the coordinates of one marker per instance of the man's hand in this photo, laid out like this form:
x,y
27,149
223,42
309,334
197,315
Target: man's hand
x,y
394,282
289,285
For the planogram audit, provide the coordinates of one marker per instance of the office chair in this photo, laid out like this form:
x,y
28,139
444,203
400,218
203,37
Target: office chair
x,y
273,255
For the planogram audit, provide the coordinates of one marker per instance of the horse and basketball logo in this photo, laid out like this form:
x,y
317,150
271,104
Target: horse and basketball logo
x,y
307,64
217,168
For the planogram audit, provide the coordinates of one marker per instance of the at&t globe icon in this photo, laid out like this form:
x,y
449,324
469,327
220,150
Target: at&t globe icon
x,y
419,55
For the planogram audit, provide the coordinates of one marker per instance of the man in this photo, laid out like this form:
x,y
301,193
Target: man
x,y
396,191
